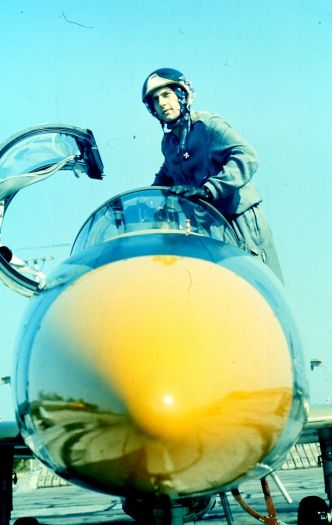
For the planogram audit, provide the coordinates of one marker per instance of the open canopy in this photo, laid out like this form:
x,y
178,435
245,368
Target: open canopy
x,y
29,157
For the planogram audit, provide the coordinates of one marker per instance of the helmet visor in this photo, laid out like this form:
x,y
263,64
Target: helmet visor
x,y
162,77
170,74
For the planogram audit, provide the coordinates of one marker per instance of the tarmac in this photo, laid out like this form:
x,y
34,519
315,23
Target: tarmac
x,y
63,504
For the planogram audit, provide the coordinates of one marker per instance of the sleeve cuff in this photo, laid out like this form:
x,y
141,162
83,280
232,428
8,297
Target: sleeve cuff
x,y
212,190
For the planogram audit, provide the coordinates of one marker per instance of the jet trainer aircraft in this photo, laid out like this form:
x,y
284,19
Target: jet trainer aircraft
x,y
159,362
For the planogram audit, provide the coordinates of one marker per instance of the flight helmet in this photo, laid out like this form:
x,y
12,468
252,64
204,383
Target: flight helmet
x,y
168,77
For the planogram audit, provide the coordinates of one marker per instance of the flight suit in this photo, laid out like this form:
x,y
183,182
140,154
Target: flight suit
x,y
219,158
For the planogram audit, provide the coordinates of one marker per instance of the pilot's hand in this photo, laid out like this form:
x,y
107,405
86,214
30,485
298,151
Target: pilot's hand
x,y
192,192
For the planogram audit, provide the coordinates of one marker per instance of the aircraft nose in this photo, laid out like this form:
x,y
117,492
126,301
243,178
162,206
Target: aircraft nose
x,y
184,343
163,374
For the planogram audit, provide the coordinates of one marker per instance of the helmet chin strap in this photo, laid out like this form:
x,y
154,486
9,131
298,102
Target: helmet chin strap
x,y
183,123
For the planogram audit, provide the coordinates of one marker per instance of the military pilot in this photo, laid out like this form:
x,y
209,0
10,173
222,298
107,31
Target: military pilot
x,y
205,158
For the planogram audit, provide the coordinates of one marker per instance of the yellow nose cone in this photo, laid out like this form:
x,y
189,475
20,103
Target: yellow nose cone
x,y
186,344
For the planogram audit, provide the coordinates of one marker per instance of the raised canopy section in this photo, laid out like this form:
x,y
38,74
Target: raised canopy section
x,y
29,157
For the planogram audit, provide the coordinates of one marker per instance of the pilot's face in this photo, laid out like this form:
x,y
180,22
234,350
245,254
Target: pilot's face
x,y
166,104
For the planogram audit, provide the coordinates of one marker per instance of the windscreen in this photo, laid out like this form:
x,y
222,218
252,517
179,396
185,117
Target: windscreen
x,y
148,210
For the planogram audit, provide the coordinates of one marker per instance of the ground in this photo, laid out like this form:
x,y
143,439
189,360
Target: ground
x,y
68,505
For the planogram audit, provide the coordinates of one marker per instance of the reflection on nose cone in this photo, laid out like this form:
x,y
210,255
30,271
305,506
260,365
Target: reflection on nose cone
x,y
196,361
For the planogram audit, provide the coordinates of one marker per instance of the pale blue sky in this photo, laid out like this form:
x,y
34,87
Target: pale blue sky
x,y
265,66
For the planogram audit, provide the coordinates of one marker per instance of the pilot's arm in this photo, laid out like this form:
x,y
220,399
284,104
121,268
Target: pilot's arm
x,y
162,178
233,159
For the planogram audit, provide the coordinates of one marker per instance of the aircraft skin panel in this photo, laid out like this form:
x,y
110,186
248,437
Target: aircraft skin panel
x,y
320,417
9,429
162,365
